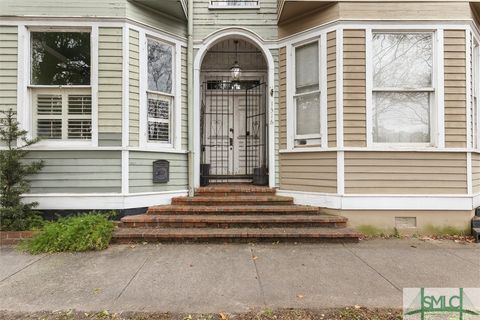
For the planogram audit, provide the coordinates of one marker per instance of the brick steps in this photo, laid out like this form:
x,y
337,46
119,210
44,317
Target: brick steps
x,y
233,200
233,221
233,210
129,235
234,190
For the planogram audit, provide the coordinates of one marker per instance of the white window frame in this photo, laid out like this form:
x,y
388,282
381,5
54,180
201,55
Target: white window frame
x,y
175,144
32,90
249,4
371,89
292,112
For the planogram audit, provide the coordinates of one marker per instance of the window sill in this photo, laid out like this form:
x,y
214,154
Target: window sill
x,y
64,144
212,7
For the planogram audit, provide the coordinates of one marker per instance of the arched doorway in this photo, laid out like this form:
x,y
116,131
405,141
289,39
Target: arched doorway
x,y
234,113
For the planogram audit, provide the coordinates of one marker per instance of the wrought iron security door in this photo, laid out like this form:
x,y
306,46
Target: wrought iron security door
x,y
234,131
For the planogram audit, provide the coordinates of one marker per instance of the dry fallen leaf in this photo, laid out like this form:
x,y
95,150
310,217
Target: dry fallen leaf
x,y
255,258
223,316
300,296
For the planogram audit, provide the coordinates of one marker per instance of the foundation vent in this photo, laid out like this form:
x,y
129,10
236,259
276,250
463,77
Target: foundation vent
x,y
405,222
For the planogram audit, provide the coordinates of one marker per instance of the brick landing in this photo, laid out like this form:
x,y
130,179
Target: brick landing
x,y
236,213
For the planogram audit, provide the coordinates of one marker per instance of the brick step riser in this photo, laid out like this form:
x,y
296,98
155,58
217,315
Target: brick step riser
x,y
260,225
153,239
182,202
232,194
214,212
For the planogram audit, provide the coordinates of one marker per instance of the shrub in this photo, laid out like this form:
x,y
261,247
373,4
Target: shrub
x,y
89,231
14,214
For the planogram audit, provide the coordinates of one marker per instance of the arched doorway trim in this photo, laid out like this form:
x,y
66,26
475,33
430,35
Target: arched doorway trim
x,y
210,41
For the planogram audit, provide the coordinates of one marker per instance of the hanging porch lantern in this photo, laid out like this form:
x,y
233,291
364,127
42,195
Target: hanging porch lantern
x,y
236,70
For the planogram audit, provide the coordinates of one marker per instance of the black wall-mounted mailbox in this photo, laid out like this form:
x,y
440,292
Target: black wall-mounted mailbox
x,y
161,171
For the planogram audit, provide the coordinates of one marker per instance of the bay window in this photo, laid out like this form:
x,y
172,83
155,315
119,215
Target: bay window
x,y
160,96
307,95
403,88
60,85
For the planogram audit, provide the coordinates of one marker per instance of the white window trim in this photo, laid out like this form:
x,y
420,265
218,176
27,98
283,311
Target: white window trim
x,y
256,5
176,107
291,113
27,117
434,92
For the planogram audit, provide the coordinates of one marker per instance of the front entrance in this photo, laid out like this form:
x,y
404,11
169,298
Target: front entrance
x,y
234,131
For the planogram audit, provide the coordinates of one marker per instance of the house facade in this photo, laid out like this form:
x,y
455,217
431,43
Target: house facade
x,y
367,109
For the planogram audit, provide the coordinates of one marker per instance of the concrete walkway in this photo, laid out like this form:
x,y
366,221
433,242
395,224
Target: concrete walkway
x,y
233,277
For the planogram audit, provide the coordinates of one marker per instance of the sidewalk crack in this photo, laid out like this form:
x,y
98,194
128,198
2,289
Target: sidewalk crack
x,y
371,267
25,267
130,281
262,292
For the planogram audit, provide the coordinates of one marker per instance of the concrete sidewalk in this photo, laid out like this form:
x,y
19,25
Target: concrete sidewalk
x,y
233,277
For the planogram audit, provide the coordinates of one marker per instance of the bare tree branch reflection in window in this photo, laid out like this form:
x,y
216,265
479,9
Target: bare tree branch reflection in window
x,y
159,66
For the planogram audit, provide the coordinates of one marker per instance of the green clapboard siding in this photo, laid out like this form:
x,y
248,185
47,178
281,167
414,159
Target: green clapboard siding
x,y
141,172
134,81
263,21
110,86
184,100
156,19
8,69
77,172
90,8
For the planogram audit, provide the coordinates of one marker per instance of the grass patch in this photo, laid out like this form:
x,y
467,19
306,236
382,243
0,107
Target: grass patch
x,y
89,231
370,231
444,231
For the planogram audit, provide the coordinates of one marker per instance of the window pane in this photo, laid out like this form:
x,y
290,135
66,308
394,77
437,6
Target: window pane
x,y
79,129
158,131
49,128
402,60
308,114
401,117
306,68
159,66
60,58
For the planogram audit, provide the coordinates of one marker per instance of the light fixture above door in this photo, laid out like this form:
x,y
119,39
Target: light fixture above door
x,y
236,70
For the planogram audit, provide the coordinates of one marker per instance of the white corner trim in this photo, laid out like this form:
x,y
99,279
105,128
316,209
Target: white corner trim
x,y
125,86
289,100
369,84
339,97
94,83
382,202
177,118
440,90
106,201
468,39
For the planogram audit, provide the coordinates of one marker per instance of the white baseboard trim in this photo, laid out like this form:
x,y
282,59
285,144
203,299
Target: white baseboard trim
x,y
384,202
106,201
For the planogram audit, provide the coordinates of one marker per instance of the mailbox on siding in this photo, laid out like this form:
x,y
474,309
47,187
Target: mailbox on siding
x,y
161,171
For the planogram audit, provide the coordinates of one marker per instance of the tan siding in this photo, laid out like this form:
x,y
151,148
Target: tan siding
x,y
407,10
309,171
308,20
455,89
283,98
8,70
134,79
110,81
354,91
405,173
476,172
332,88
